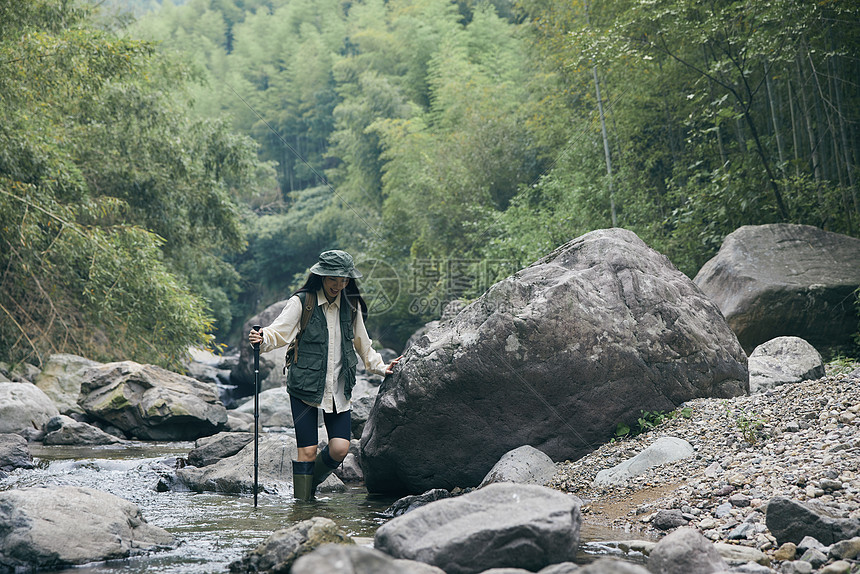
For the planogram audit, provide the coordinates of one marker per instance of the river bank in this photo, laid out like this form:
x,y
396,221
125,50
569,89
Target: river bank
x,y
799,440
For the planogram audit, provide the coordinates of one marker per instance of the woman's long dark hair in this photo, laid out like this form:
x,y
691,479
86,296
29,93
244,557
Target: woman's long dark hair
x,y
353,295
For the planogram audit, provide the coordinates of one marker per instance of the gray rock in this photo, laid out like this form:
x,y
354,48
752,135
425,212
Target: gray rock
x,y
782,361
61,379
663,450
668,519
345,559
810,542
409,503
571,568
558,354
814,557
240,422
611,566
275,410
685,551
219,446
151,403
235,474
749,568
500,525
361,408
789,521
523,465
14,452
350,470
54,527
271,363
735,554
785,279
24,406
795,567
64,430
845,549
279,551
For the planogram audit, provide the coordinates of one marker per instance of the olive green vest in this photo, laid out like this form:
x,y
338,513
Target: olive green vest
x,y
306,377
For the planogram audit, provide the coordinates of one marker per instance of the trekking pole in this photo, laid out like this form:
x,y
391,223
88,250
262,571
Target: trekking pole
x,y
256,411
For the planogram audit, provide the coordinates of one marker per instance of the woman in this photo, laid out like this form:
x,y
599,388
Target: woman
x,y
322,372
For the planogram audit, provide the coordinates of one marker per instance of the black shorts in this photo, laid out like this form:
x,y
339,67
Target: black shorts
x,y
338,425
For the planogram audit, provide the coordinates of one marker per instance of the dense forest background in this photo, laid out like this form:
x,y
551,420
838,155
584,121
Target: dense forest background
x,y
167,169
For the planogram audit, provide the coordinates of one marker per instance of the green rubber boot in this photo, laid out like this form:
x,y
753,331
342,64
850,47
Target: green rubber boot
x,y
324,465
303,480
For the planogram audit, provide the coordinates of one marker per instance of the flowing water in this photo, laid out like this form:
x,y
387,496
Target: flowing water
x,y
212,530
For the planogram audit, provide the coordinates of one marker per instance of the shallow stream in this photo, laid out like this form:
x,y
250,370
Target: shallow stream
x,y
212,530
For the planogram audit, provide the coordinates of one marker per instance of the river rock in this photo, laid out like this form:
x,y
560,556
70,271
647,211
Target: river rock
x,y
785,279
24,406
413,501
242,373
663,450
275,410
781,361
59,526
222,445
235,474
790,521
500,525
280,550
348,559
523,465
64,430
553,356
603,566
61,379
14,452
152,403
685,551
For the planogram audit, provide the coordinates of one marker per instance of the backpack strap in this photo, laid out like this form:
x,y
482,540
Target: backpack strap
x,y
309,301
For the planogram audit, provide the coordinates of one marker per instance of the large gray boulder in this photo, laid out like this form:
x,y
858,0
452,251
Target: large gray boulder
x,y
24,406
210,450
685,551
785,279
782,361
60,526
554,356
351,559
61,379
500,525
152,403
279,551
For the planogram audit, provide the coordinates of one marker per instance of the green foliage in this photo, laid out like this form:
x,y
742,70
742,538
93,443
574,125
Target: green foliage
x,y
114,205
647,420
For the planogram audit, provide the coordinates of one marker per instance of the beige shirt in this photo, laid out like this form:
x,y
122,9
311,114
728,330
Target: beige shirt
x,y
285,327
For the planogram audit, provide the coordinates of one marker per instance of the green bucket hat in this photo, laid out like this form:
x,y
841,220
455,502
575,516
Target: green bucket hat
x,y
335,263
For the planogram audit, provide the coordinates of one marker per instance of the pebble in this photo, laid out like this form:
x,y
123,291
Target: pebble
x,y
807,449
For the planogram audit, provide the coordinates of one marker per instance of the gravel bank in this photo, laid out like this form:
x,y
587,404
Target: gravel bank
x,y
806,447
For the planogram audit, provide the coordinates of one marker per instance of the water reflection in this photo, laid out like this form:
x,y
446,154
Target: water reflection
x,y
212,530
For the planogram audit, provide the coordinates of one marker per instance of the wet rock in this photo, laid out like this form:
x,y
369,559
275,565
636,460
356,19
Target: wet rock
x,y
235,474
54,527
790,520
278,552
785,279
14,452
349,470
663,450
340,559
64,430
275,410
782,361
24,406
685,551
409,503
523,465
500,525
61,379
646,339
222,445
152,403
